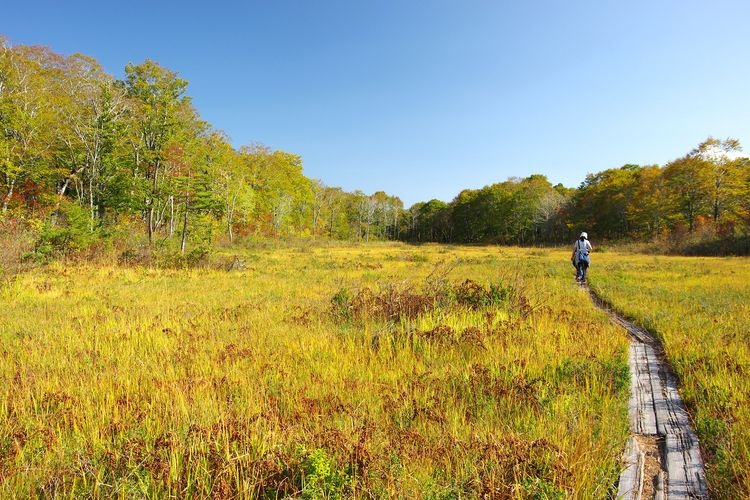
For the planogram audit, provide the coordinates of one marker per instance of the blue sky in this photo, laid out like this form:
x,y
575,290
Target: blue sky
x,y
424,98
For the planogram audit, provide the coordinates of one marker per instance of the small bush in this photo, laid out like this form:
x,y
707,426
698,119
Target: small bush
x,y
472,294
174,259
134,256
730,245
340,304
68,231
404,301
321,478
418,258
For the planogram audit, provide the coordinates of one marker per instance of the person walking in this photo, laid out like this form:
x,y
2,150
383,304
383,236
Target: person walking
x,y
580,258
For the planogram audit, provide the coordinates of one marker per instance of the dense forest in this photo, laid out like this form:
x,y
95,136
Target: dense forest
x,y
695,201
87,158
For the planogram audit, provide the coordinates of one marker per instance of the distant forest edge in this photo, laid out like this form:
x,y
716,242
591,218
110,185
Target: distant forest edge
x,y
87,160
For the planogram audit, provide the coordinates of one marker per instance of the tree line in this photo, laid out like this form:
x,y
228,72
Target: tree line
x,y
85,156
701,197
84,153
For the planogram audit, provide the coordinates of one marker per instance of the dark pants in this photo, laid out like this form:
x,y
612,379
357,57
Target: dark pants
x,y
582,265
581,271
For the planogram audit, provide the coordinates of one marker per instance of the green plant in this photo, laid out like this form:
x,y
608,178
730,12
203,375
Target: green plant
x,y
69,229
321,477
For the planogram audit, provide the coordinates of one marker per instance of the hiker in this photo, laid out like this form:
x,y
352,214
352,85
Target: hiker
x,y
580,257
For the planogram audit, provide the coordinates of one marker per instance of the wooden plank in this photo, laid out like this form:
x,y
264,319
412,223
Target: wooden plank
x,y
679,421
634,401
631,479
655,408
641,411
685,474
659,486
657,401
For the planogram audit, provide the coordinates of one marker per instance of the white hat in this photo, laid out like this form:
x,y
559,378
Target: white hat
x,y
584,235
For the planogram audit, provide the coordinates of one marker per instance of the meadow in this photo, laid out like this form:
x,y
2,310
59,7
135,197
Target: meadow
x,y
313,371
700,309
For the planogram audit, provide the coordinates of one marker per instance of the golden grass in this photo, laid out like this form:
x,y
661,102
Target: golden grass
x,y
259,383
700,309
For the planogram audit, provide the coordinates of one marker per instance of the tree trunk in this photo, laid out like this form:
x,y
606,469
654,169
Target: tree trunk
x,y
160,217
101,210
153,202
92,212
150,223
171,216
230,217
330,224
184,227
8,196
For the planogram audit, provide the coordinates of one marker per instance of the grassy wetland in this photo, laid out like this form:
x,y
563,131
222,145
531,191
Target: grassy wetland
x,y
700,309
365,371
186,316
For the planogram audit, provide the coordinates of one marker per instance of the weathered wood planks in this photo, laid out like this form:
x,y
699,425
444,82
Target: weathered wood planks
x,y
655,408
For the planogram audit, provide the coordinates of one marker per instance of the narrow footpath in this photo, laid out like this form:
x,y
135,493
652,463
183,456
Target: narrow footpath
x,y
662,458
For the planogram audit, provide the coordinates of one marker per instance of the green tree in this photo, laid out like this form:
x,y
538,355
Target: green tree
x,y
90,145
432,221
649,213
193,165
233,182
467,217
161,109
527,199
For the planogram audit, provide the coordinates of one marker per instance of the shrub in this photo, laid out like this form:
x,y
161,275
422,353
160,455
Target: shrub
x,y
69,230
404,301
174,259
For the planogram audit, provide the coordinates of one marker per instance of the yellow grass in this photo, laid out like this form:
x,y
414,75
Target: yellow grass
x,y
263,382
700,308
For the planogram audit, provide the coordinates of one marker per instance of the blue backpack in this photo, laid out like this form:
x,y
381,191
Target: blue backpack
x,y
583,258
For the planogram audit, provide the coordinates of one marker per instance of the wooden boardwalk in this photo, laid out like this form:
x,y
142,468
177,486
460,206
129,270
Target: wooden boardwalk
x,y
672,466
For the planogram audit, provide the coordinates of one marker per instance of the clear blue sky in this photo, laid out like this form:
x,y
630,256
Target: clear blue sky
x,y
423,98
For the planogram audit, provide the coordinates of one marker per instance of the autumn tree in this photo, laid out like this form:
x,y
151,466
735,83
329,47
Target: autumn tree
x,y
283,193
603,201
728,179
235,183
689,183
27,119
